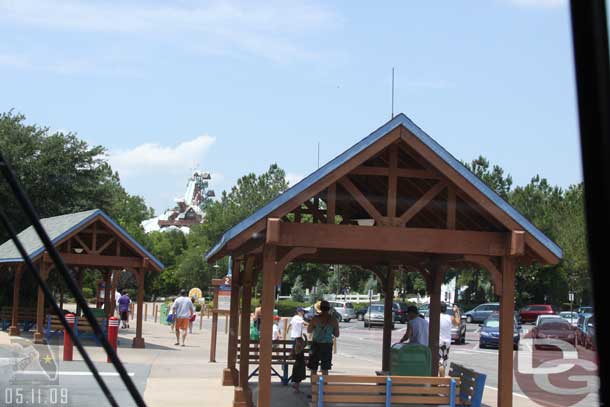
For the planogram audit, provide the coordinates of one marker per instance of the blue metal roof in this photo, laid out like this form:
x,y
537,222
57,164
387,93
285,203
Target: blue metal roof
x,y
342,158
58,228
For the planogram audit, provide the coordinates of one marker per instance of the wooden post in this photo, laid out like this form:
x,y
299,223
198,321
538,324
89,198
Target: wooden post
x,y
138,341
14,328
266,340
155,311
435,315
230,377
285,328
388,285
242,396
39,334
505,354
214,332
145,310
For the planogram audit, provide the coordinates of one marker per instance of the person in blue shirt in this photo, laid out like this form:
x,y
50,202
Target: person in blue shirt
x,y
324,328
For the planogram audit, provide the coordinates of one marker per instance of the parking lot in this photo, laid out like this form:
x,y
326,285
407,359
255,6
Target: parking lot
x,y
357,342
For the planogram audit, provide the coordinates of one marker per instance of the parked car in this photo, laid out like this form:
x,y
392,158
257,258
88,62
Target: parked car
x,y
590,342
552,328
570,316
345,309
400,312
375,315
490,333
585,310
531,312
582,333
360,312
481,312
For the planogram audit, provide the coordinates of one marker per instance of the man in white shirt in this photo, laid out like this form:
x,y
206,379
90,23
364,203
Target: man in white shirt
x,y
182,309
446,323
297,324
417,328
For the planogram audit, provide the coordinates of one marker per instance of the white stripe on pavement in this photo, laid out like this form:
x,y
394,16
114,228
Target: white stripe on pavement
x,y
86,373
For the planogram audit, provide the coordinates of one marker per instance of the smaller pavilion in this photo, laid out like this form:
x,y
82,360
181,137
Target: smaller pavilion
x,y
85,240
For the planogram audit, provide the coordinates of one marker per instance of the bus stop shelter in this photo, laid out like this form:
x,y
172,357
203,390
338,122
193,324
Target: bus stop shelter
x,y
395,198
86,240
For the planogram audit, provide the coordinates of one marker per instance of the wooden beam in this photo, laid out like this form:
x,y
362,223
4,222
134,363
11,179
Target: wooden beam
x,y
505,353
474,193
316,188
230,377
266,339
86,248
392,181
289,257
400,172
436,277
361,199
421,202
315,211
138,340
105,245
242,395
451,207
97,260
14,328
388,288
517,243
487,264
331,203
380,238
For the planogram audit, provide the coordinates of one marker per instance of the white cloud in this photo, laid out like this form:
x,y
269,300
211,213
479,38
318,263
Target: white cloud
x,y
293,178
157,159
158,172
269,29
540,3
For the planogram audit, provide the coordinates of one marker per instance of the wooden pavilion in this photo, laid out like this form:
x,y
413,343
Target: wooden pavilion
x,y
396,198
85,240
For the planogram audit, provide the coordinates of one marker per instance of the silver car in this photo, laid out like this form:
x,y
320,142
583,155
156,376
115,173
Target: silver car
x,y
375,315
345,309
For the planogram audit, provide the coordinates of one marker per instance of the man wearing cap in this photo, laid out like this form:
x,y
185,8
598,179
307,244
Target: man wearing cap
x,y
417,328
297,323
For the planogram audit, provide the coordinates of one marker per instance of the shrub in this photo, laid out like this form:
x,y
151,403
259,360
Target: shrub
x,y
286,308
87,292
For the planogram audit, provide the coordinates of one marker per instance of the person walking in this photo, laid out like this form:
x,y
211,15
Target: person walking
x,y
297,326
323,327
183,310
417,328
446,323
124,302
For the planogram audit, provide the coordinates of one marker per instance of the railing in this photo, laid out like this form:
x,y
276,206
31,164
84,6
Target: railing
x,y
355,298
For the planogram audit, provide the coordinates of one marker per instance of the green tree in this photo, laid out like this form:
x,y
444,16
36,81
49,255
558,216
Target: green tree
x,y
297,293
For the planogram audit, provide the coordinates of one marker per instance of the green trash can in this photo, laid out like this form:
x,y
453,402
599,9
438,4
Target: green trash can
x,y
163,314
410,360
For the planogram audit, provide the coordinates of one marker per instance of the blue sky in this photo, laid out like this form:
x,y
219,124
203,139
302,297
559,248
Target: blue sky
x,y
236,85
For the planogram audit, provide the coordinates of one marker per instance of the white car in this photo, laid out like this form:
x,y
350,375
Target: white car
x,y
541,317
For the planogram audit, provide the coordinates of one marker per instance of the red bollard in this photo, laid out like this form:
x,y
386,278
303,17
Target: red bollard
x,y
68,345
113,333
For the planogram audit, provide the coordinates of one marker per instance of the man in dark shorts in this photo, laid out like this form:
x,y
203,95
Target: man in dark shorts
x,y
124,302
325,328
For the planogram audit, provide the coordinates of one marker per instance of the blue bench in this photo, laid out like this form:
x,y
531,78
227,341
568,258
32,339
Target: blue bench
x,y
82,329
26,318
281,355
384,390
472,385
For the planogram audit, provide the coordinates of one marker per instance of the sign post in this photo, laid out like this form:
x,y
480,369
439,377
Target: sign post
x,y
221,305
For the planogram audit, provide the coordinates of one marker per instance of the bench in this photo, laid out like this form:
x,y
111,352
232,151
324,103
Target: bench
x,y
472,384
384,390
26,318
82,329
281,355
